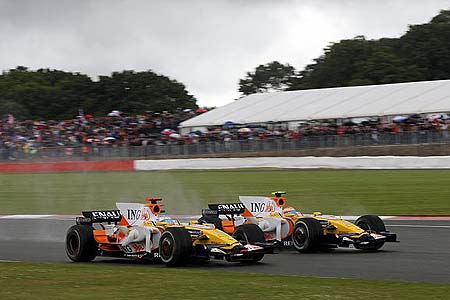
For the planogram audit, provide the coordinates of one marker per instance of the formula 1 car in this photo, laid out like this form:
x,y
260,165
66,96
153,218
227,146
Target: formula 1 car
x,y
145,232
305,232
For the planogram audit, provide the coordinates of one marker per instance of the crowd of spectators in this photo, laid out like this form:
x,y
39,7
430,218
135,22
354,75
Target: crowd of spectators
x,y
120,129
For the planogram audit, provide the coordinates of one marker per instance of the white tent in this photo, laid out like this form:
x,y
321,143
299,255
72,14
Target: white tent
x,y
331,103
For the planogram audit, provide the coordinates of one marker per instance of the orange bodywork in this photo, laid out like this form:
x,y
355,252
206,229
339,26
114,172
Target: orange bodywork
x,y
280,201
228,226
107,243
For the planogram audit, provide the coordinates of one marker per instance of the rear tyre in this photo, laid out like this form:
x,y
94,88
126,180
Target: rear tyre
x,y
249,234
175,246
80,243
211,220
307,235
370,223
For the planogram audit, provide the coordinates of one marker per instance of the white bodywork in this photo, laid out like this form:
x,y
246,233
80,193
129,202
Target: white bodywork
x,y
267,215
143,235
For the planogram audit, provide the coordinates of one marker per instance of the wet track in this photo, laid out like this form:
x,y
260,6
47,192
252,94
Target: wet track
x,y
422,255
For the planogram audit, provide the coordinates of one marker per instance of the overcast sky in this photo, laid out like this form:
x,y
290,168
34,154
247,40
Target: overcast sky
x,y
206,44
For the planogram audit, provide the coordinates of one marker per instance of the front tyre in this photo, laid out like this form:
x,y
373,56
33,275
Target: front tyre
x,y
370,223
175,246
80,243
249,234
307,235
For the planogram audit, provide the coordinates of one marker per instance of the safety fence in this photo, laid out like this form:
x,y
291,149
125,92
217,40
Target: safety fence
x,y
269,144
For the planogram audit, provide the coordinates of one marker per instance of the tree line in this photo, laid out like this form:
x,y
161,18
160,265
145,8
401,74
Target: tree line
x,y
422,53
55,94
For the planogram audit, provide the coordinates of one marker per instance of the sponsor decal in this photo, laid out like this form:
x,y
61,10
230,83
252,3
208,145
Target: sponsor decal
x,y
288,243
138,214
230,206
134,248
112,214
133,214
262,207
269,236
102,215
137,247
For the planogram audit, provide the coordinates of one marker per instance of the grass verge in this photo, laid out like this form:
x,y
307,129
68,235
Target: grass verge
x,y
85,281
384,192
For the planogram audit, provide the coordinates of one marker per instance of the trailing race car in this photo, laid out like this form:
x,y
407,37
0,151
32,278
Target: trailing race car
x,y
143,231
305,232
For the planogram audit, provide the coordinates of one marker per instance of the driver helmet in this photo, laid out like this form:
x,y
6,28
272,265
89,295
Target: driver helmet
x,y
166,219
289,211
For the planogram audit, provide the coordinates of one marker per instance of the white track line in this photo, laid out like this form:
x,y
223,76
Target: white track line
x,y
9,261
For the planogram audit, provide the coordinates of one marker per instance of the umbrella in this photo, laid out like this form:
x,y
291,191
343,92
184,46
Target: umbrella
x,y
224,132
228,124
244,130
187,110
88,116
201,110
399,119
109,138
359,120
167,131
175,136
114,113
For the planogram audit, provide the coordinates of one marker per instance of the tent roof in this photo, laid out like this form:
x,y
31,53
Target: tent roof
x,y
331,103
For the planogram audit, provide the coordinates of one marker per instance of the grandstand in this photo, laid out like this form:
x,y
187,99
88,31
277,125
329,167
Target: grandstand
x,y
330,103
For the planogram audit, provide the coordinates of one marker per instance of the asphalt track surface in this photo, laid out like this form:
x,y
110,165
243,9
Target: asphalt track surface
x,y
423,255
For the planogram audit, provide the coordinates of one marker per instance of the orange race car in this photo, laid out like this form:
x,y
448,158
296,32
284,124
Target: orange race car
x,y
144,231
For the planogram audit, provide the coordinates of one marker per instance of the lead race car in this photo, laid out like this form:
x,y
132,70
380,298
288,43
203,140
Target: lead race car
x,y
305,232
145,232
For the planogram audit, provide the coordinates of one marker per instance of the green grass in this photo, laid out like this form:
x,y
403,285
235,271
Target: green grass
x,y
329,191
86,281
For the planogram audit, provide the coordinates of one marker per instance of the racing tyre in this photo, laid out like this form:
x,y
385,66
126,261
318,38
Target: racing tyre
x,y
80,243
211,220
307,235
371,223
248,234
175,246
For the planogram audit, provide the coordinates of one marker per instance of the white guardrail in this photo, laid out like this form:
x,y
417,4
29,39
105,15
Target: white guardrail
x,y
308,162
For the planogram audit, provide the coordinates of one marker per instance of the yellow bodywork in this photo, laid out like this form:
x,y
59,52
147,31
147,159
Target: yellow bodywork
x,y
209,234
335,225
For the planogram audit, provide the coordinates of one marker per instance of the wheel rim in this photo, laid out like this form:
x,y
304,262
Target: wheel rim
x,y
167,247
300,236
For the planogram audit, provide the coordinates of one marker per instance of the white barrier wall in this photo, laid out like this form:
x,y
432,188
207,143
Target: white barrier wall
x,y
309,162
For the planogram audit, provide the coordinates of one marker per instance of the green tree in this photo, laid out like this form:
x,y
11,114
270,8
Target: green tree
x,y
337,66
427,46
135,92
273,76
55,94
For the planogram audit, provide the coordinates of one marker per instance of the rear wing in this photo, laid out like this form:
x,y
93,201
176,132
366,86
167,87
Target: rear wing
x,y
99,216
224,209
